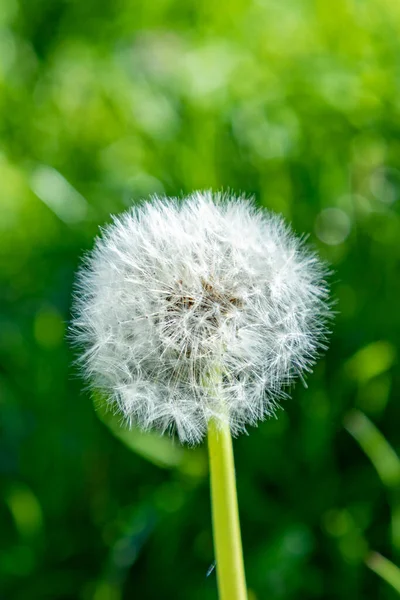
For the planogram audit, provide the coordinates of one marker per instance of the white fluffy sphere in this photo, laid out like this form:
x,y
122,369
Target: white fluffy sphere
x,y
198,308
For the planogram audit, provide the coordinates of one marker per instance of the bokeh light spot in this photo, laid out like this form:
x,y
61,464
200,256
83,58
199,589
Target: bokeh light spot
x,y
332,226
58,194
385,184
25,509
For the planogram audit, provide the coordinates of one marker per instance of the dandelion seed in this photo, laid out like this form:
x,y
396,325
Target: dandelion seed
x,y
211,569
200,309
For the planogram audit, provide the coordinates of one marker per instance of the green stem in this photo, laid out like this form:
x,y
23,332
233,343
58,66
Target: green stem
x,y
225,514
385,568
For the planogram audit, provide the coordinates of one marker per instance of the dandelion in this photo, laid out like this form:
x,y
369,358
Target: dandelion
x,y
194,316
200,309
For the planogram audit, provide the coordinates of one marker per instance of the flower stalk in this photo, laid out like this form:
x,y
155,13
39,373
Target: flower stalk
x,y
225,514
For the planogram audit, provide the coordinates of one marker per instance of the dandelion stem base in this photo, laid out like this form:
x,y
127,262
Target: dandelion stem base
x,y
225,514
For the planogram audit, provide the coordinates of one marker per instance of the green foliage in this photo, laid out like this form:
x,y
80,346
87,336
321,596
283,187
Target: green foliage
x,y
104,103
386,569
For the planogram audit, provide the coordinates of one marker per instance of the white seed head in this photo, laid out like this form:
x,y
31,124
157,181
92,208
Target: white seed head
x,y
200,308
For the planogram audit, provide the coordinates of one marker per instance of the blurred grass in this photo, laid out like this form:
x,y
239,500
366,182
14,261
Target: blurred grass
x,y
104,103
386,569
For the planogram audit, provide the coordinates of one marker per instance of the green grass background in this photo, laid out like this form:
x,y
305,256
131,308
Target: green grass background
x,y
103,103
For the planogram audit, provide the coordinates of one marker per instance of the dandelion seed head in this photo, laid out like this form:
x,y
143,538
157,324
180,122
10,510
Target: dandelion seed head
x,y
200,308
